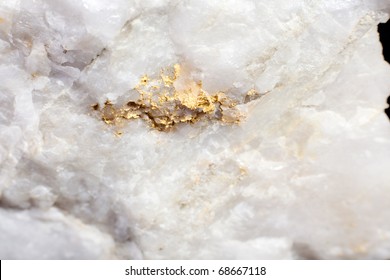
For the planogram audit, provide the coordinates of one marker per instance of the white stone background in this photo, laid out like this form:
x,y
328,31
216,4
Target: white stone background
x,y
306,175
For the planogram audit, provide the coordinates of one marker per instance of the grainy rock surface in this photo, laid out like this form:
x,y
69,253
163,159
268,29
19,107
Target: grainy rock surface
x,y
294,165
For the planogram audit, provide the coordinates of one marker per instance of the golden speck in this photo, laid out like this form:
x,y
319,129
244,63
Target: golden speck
x,y
252,92
243,171
177,70
144,80
168,81
253,95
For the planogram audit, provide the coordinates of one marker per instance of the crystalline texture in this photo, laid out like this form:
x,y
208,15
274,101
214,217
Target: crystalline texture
x,y
304,175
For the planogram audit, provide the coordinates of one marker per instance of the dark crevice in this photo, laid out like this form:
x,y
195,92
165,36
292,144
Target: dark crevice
x,y
384,31
303,251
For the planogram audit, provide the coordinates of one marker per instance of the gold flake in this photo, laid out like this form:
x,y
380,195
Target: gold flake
x,y
177,70
164,106
252,92
168,81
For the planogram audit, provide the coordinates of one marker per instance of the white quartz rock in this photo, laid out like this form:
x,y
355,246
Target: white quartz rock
x,y
304,175
50,235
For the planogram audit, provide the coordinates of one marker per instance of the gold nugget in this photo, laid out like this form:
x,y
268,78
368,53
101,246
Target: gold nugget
x,y
172,99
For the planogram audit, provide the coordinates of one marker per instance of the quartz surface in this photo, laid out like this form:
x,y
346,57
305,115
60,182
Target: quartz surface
x,y
234,129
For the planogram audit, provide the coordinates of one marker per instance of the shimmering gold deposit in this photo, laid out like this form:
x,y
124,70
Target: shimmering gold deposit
x,y
169,100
